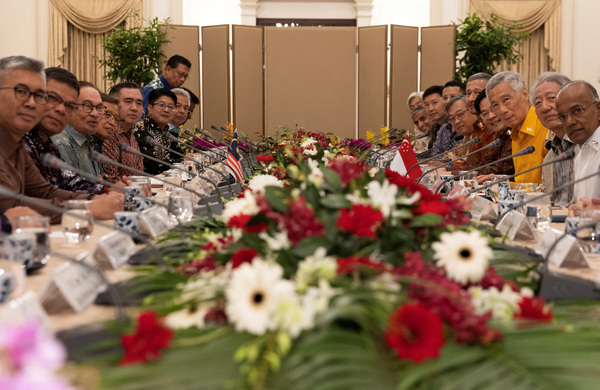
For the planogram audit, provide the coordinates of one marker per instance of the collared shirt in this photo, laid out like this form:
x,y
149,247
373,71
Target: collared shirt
x,y
75,149
586,163
147,127
36,147
532,132
19,174
560,172
160,82
112,149
445,140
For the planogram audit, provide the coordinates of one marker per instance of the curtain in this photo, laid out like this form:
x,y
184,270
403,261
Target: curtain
x,y
540,18
76,29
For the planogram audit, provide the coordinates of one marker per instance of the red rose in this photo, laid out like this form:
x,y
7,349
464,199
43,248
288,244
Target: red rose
x,y
350,264
241,221
149,338
415,333
534,308
362,220
244,255
266,159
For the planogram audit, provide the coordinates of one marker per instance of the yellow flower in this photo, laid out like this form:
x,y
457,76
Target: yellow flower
x,y
370,135
385,139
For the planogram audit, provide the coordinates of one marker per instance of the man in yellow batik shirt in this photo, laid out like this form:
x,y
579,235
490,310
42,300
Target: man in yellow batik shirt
x,y
509,100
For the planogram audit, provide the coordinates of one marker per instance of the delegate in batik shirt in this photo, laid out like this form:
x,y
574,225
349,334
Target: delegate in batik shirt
x,y
36,147
111,148
147,127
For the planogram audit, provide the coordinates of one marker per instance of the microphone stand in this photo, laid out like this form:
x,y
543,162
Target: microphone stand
x,y
216,149
207,134
468,143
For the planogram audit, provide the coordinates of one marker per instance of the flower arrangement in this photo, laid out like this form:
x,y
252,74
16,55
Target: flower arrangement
x,y
324,273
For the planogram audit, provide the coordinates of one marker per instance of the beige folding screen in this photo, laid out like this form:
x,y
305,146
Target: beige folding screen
x,y
311,79
248,99
185,41
215,76
404,68
437,55
372,79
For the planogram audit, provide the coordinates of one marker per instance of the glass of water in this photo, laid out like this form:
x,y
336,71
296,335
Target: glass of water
x,y
37,227
539,212
172,177
181,206
77,222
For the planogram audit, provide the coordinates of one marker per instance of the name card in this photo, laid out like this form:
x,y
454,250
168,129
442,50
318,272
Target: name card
x,y
73,286
113,250
482,209
22,309
517,226
566,254
155,221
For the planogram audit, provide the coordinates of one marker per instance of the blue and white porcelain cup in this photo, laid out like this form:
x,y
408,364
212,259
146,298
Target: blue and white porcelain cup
x,y
142,203
571,224
130,193
505,205
127,221
25,245
448,181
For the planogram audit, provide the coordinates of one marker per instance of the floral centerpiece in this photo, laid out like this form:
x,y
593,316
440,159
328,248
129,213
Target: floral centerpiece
x,y
324,273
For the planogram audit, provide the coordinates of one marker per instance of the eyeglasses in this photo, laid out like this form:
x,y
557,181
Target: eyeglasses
x,y
21,93
576,112
55,100
162,106
185,108
459,117
88,108
110,116
182,75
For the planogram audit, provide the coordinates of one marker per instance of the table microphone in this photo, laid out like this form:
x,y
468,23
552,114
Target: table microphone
x,y
128,149
422,135
208,134
488,146
224,131
543,195
216,149
456,137
61,210
436,156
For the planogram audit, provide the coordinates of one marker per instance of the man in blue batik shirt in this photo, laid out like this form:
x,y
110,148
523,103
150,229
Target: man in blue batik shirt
x,y
176,72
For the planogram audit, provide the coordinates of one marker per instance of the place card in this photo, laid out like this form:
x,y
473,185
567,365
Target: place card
x,y
154,221
566,254
482,209
517,225
114,249
73,286
22,309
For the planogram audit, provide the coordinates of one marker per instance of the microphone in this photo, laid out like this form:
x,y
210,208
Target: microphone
x,y
568,155
488,146
422,135
543,195
216,149
456,137
102,159
208,134
436,156
224,131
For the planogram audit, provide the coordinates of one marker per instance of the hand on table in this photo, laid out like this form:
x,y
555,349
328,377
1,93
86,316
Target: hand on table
x,y
104,206
584,204
20,211
481,179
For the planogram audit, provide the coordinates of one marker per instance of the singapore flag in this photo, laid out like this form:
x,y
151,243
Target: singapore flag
x,y
404,159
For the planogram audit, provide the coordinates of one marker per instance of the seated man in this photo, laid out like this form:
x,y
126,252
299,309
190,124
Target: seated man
x,y
415,100
181,110
423,125
510,102
75,142
108,122
63,89
446,137
194,101
578,108
543,99
177,70
23,101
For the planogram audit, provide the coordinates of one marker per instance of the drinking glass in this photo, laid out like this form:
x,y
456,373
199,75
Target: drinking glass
x,y
172,176
539,212
586,235
181,206
468,179
142,181
38,227
77,222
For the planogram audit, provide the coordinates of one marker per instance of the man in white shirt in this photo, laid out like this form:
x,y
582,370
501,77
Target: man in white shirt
x,y
578,108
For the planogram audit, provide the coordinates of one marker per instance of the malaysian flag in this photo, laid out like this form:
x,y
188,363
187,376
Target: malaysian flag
x,y
233,159
404,159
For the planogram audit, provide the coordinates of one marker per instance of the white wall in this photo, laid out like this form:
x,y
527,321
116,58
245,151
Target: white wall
x,y
24,28
211,12
584,60
306,10
402,12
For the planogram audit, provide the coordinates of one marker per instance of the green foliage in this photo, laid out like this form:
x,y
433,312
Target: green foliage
x,y
484,45
134,54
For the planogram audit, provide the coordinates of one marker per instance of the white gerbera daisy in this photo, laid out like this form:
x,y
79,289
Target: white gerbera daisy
x,y
383,196
503,304
463,255
259,182
244,205
186,318
279,240
252,296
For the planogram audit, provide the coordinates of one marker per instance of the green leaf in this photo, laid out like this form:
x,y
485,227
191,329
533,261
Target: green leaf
x,y
336,201
309,245
426,220
276,196
332,179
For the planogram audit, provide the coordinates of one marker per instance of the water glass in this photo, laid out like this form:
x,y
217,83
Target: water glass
x,y
77,222
181,206
539,212
37,227
172,176
586,235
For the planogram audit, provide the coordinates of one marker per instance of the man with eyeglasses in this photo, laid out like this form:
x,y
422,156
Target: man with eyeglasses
x,y
194,101
23,102
130,108
75,142
509,100
181,110
108,122
161,108
176,72
63,89
578,108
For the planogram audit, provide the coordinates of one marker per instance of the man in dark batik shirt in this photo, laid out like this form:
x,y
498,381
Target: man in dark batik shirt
x,y
63,89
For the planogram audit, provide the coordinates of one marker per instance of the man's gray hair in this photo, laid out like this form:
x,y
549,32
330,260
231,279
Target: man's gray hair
x,y
590,87
417,109
414,95
184,93
8,64
479,76
548,77
454,100
513,79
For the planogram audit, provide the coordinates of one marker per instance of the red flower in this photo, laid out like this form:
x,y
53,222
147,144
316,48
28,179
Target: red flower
x,y
534,308
241,221
208,264
362,220
350,264
349,168
300,221
266,159
244,255
415,333
216,317
434,207
150,336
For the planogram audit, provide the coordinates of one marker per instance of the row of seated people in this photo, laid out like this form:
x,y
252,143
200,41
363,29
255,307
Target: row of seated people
x,y
50,111
554,116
